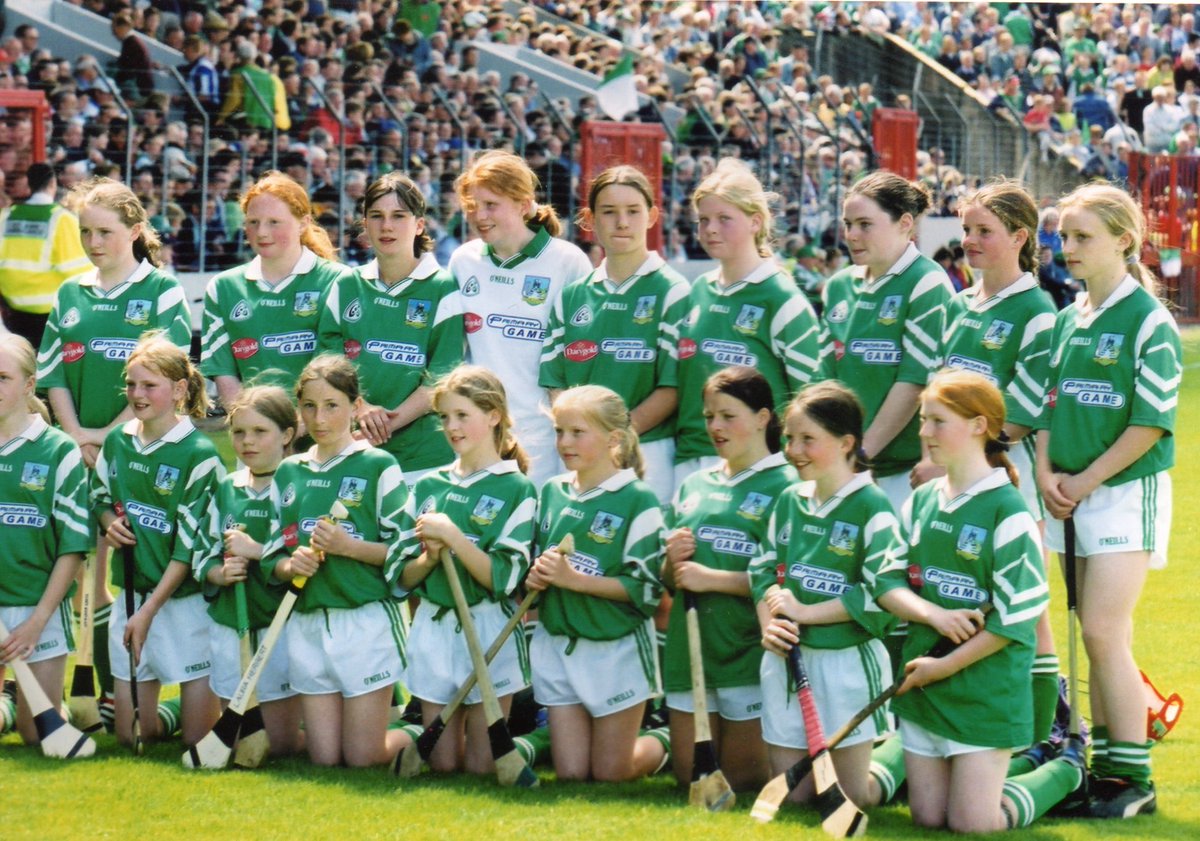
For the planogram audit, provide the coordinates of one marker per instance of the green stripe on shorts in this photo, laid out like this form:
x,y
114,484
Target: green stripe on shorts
x,y
67,615
645,649
870,666
399,632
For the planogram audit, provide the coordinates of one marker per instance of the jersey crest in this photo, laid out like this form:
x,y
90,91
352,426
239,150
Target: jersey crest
x,y
418,313
839,313
289,495
471,287
486,510
71,318
582,317
784,535
749,319
843,538
1108,349
997,334
240,311
535,290
137,312
33,476
428,506
889,310
305,303
604,527
352,491
754,506
353,311
970,542
643,311
166,479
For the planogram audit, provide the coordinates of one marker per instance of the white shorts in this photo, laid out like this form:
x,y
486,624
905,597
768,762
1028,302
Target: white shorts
x,y
843,680
537,439
897,488
177,648
659,457
684,469
605,676
439,662
350,651
1021,454
1134,516
274,683
732,703
56,639
916,739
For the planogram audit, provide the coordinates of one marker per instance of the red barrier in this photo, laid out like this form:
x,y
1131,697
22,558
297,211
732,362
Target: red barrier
x,y
19,101
606,144
1168,189
894,135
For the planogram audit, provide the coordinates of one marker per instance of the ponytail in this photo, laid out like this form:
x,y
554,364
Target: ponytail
x,y
513,451
196,403
604,409
838,411
996,450
484,389
544,216
155,351
628,452
316,239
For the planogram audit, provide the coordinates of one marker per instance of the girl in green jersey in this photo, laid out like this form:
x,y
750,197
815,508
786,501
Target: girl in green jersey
x,y
42,489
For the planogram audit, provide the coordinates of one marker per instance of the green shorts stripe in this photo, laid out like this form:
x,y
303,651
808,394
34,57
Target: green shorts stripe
x,y
870,667
399,631
67,616
645,648
521,639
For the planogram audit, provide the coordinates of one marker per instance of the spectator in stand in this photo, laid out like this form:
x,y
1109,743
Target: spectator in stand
x,y
132,68
200,73
1053,278
1048,234
1103,163
1163,72
1187,70
1162,118
1000,62
243,107
1092,109
1134,105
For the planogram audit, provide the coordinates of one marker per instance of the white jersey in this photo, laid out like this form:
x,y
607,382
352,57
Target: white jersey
x,y
507,306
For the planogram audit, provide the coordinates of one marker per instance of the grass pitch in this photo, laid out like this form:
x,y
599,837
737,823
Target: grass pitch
x,y
117,796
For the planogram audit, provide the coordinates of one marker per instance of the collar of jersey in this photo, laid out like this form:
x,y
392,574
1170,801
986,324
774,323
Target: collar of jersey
x,y
92,278
906,259
765,269
30,433
1022,284
996,479
37,199
173,435
613,483
498,469
767,462
651,264
1124,289
306,263
310,457
532,249
809,491
426,268
241,479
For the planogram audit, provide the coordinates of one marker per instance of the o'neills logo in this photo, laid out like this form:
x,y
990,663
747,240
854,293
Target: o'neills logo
x,y
687,348
72,352
473,322
581,351
245,348
352,348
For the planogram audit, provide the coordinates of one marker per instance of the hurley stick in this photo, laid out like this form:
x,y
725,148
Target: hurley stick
x,y
135,731
253,743
85,712
58,739
709,787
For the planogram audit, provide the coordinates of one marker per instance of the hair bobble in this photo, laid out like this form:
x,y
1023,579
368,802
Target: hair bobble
x,y
996,446
861,455
1004,437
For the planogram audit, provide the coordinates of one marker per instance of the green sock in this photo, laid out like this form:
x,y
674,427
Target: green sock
x,y
1130,761
1034,793
413,730
168,716
533,744
1045,695
887,767
1100,765
398,704
100,649
662,735
8,713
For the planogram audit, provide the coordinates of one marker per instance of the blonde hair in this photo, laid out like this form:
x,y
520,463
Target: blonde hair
x,y
970,395
115,196
486,392
508,175
733,182
282,187
23,353
1119,214
604,409
157,352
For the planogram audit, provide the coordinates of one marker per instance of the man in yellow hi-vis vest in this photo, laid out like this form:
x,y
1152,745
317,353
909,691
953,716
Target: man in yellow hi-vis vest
x,y
39,249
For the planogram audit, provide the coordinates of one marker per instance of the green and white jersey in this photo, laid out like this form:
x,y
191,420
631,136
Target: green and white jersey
x,y
43,500
886,331
90,334
400,338
618,531
831,550
495,508
980,546
728,517
369,483
163,489
251,326
763,321
236,505
619,335
507,305
1113,367
1006,338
